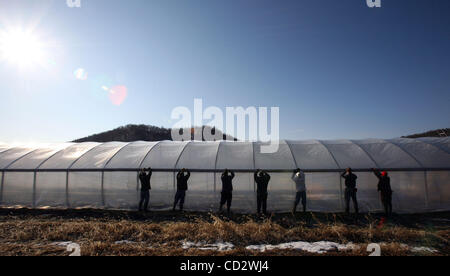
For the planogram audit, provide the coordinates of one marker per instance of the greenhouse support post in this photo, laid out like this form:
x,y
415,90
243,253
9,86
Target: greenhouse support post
x,y
34,189
425,173
137,182
1,187
103,188
341,195
67,190
215,167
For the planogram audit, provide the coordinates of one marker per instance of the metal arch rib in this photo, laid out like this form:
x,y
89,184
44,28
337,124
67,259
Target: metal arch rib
x,y
181,153
329,151
370,157
114,155
25,155
433,145
292,153
405,151
76,160
217,155
215,165
150,150
43,162
6,151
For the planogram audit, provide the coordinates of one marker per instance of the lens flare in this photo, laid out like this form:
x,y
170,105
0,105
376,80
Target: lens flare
x,y
80,74
118,94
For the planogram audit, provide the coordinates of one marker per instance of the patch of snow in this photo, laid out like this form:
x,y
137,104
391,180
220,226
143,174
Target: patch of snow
x,y
418,249
424,249
124,242
62,244
218,246
315,247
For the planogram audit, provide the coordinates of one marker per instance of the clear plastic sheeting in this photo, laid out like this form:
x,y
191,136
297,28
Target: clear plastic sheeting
x,y
85,189
51,189
312,155
64,159
349,155
429,156
8,157
17,189
235,156
438,192
120,190
279,160
442,143
323,192
387,155
99,156
130,156
199,155
3,148
409,192
164,155
37,157
105,175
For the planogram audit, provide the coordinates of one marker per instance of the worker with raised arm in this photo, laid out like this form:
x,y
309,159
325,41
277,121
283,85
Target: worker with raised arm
x,y
384,188
350,190
182,187
227,190
300,187
262,179
145,177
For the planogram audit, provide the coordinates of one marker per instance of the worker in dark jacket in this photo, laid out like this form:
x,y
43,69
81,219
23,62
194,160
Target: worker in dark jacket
x,y
350,190
384,188
262,179
182,187
145,188
227,190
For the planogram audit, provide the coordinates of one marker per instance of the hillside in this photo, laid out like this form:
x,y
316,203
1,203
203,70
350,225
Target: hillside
x,y
132,133
150,133
433,133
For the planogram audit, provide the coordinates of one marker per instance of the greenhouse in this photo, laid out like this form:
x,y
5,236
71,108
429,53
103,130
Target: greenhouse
x,y
105,175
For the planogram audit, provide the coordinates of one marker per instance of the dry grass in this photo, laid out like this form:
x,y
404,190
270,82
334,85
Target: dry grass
x,y
22,234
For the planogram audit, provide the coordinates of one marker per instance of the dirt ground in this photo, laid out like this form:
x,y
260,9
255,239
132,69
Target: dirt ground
x,y
111,232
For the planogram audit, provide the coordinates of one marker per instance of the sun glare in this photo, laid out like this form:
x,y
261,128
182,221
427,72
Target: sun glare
x,y
21,48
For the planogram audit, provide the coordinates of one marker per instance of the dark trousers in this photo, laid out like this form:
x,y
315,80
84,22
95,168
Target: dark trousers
x,y
386,200
261,199
300,196
145,198
179,197
350,194
226,197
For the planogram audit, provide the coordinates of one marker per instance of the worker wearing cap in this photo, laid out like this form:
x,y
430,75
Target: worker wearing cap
x,y
384,188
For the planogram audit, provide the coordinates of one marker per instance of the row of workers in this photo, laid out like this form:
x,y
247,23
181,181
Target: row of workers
x,y
262,179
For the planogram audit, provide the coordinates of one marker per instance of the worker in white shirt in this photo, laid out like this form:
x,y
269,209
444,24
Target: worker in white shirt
x,y
299,179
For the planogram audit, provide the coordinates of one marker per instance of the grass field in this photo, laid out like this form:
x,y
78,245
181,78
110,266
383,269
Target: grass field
x,y
102,232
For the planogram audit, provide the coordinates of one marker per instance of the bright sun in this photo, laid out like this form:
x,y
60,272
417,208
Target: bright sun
x,y
21,48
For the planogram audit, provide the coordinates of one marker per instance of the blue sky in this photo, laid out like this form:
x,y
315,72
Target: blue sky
x,y
336,69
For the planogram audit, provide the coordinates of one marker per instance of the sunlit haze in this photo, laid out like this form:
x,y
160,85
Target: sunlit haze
x,y
336,69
